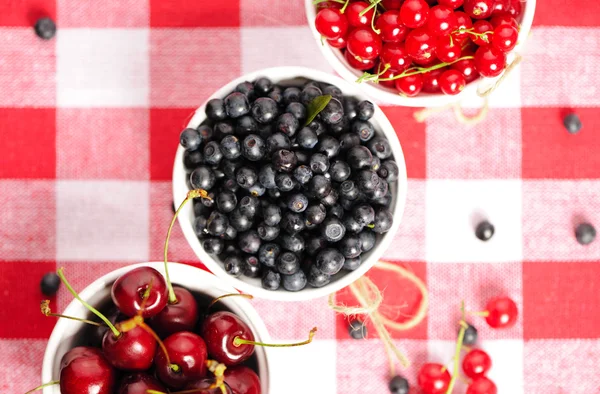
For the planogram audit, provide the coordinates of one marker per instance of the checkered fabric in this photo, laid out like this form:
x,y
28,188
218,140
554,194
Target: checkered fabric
x,y
89,124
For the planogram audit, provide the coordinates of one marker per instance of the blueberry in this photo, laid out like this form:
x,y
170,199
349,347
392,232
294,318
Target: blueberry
x,y
287,263
276,95
365,110
253,148
230,167
340,171
388,171
484,231
309,93
572,123
266,176
239,221
350,246
293,243
380,147
349,190
230,147
381,189
230,185
230,233
364,129
399,385
298,110
319,186
226,201
291,95
375,164
302,174
278,141
271,214
585,233
271,280
288,124
246,125
215,109
284,182
190,139
231,249
247,89
329,261
265,130
246,177
45,28
192,159
331,199
264,110
316,278
353,263
302,157
223,128
234,265
364,214
257,190
470,337
307,138
332,229
333,91
294,282
333,112
202,178
318,127
367,240
284,160
328,145
267,233
319,163
359,157
367,180
292,223
297,202
249,206
252,267
314,244
262,86
206,132
49,284
315,213
209,202
212,153
217,223
352,225
385,201
200,226
236,105
249,242
268,253
350,107
357,329
213,245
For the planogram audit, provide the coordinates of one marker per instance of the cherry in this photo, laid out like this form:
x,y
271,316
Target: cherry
x,y
338,43
132,350
454,4
85,370
515,8
476,363
463,23
467,68
433,378
420,45
395,56
442,20
206,386
220,330
452,82
482,385
182,315
242,380
392,29
414,13
391,4
358,64
353,12
502,312
139,383
184,360
505,38
504,19
481,28
411,85
479,9
431,82
447,49
489,61
364,43
329,4
331,23
129,291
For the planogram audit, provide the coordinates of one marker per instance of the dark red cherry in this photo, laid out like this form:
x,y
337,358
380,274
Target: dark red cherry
x,y
138,383
220,330
364,43
420,45
242,380
180,316
359,64
392,29
203,387
133,350
187,356
414,13
411,85
85,370
128,292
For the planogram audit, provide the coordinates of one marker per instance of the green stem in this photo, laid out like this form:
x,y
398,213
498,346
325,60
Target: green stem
x,y
373,4
344,7
459,342
421,70
376,30
61,275
52,383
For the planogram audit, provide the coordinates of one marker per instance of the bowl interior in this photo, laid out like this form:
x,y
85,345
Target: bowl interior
x,y
289,76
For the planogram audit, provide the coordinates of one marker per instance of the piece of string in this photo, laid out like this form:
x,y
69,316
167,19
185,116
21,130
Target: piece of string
x,y
370,299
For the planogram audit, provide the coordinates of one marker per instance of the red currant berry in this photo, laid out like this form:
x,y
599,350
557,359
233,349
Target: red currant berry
x,y
441,21
464,23
364,43
467,68
411,85
431,81
389,73
476,363
358,64
505,38
482,27
395,55
331,23
489,61
414,13
454,4
392,29
391,4
452,82
338,43
433,378
447,49
479,9
502,311
329,4
353,14
515,8
500,6
504,19
420,45
482,385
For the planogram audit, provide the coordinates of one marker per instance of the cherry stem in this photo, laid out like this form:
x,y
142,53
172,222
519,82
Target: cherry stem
x,y
61,275
218,370
237,341
459,344
46,311
52,383
140,322
190,196
248,296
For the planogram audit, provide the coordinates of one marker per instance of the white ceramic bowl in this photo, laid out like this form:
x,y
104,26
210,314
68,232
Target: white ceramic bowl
x,y
253,286
386,95
66,332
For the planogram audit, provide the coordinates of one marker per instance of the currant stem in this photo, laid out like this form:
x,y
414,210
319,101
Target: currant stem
x,y
373,4
52,383
376,30
46,311
480,313
61,275
237,341
248,296
409,72
459,343
344,7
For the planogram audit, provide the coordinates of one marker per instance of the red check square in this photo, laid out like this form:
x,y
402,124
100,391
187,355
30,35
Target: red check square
x,y
560,13
25,12
103,13
272,13
190,13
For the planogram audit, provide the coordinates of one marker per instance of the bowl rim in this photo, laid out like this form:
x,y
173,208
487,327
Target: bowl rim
x,y
181,274
180,189
390,96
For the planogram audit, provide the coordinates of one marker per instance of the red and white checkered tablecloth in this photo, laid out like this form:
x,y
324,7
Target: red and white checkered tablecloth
x,y
88,130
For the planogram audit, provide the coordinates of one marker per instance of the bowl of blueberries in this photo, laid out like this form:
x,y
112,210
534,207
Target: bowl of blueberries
x,y
306,182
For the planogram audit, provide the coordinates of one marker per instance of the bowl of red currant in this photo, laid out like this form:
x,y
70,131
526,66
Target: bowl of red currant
x,y
302,183
420,52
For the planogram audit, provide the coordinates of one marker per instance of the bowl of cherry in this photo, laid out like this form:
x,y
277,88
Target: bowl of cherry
x,y
420,53
302,183
124,334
